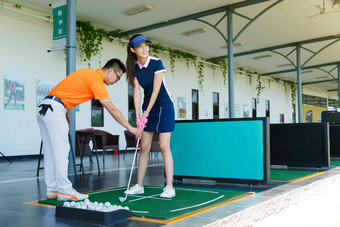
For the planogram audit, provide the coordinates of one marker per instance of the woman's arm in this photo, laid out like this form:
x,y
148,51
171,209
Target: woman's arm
x,y
157,82
137,98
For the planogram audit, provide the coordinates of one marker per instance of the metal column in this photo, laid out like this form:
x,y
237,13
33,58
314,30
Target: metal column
x,y
299,83
230,62
70,68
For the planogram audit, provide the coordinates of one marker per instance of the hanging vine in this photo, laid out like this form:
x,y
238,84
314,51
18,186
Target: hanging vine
x,y
90,41
213,69
259,88
293,92
90,44
200,75
224,68
156,49
288,86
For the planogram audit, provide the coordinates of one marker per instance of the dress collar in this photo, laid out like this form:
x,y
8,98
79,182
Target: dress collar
x,y
145,64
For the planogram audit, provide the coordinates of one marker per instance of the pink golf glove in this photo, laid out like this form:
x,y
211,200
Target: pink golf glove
x,y
140,125
144,120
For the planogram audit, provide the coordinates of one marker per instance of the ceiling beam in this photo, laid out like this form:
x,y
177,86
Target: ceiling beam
x,y
191,17
277,47
303,68
320,81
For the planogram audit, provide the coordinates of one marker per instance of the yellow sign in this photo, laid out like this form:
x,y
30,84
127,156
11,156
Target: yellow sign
x,y
312,113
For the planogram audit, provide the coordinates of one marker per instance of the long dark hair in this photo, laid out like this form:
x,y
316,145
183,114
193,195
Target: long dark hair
x,y
130,64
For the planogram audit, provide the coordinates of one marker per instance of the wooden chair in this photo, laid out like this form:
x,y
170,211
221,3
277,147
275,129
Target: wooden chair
x,y
106,141
131,141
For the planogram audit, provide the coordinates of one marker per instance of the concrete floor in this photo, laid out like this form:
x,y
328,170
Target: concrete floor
x,y
18,184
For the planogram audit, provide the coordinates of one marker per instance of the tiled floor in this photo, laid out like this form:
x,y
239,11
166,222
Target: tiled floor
x,y
18,184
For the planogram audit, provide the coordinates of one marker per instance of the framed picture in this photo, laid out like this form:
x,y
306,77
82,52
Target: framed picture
x,y
43,88
14,93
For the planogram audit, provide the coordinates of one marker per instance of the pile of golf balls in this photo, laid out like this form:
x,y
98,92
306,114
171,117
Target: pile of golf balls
x,y
88,205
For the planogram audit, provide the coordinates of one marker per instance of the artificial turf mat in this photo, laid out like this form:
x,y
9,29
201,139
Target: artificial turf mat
x,y
290,175
150,205
335,162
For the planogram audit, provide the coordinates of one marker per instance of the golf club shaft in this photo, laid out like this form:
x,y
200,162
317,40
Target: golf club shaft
x,y
133,163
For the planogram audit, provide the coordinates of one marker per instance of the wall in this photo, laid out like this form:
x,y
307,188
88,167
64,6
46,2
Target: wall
x,y
24,42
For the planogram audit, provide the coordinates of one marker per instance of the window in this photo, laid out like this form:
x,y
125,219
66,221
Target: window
x,y
333,103
254,107
97,113
216,105
282,118
131,107
267,108
194,104
314,101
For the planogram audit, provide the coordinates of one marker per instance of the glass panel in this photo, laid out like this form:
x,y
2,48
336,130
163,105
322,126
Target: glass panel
x,y
97,119
254,103
267,104
215,98
194,95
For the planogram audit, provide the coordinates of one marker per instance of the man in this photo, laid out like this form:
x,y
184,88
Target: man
x,y
54,119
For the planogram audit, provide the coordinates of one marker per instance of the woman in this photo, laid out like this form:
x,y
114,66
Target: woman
x,y
158,110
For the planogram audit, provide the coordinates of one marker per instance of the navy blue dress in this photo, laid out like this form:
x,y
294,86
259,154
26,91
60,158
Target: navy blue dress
x,y
162,115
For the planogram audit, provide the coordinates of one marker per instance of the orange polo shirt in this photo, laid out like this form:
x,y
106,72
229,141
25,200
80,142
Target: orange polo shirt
x,y
81,86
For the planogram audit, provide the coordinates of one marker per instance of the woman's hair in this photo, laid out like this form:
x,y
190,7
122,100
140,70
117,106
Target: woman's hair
x,y
130,64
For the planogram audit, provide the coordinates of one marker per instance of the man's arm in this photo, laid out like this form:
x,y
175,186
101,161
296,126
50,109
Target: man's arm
x,y
118,116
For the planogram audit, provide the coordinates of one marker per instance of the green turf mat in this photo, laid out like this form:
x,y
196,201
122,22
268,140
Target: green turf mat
x,y
289,175
335,162
150,205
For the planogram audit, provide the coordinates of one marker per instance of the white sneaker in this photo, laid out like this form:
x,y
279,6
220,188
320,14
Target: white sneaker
x,y
72,195
136,189
52,194
168,192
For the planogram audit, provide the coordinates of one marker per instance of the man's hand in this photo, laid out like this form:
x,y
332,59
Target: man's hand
x,y
136,132
68,117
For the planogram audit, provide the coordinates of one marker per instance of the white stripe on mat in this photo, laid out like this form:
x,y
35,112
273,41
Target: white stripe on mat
x,y
184,208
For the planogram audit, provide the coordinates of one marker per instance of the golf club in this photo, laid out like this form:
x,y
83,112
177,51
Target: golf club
x,y
122,199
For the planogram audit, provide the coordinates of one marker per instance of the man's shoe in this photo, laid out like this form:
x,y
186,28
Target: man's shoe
x,y
72,195
136,189
51,194
168,192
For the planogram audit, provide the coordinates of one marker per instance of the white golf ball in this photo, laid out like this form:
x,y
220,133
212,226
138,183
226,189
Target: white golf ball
x,y
73,204
107,204
126,208
87,201
95,203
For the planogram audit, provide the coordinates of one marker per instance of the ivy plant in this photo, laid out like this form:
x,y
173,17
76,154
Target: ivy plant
x,y
90,41
200,75
259,88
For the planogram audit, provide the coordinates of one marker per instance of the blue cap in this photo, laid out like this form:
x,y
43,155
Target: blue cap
x,y
138,40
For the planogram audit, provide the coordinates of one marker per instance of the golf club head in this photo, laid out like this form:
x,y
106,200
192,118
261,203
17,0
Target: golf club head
x,y
122,199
